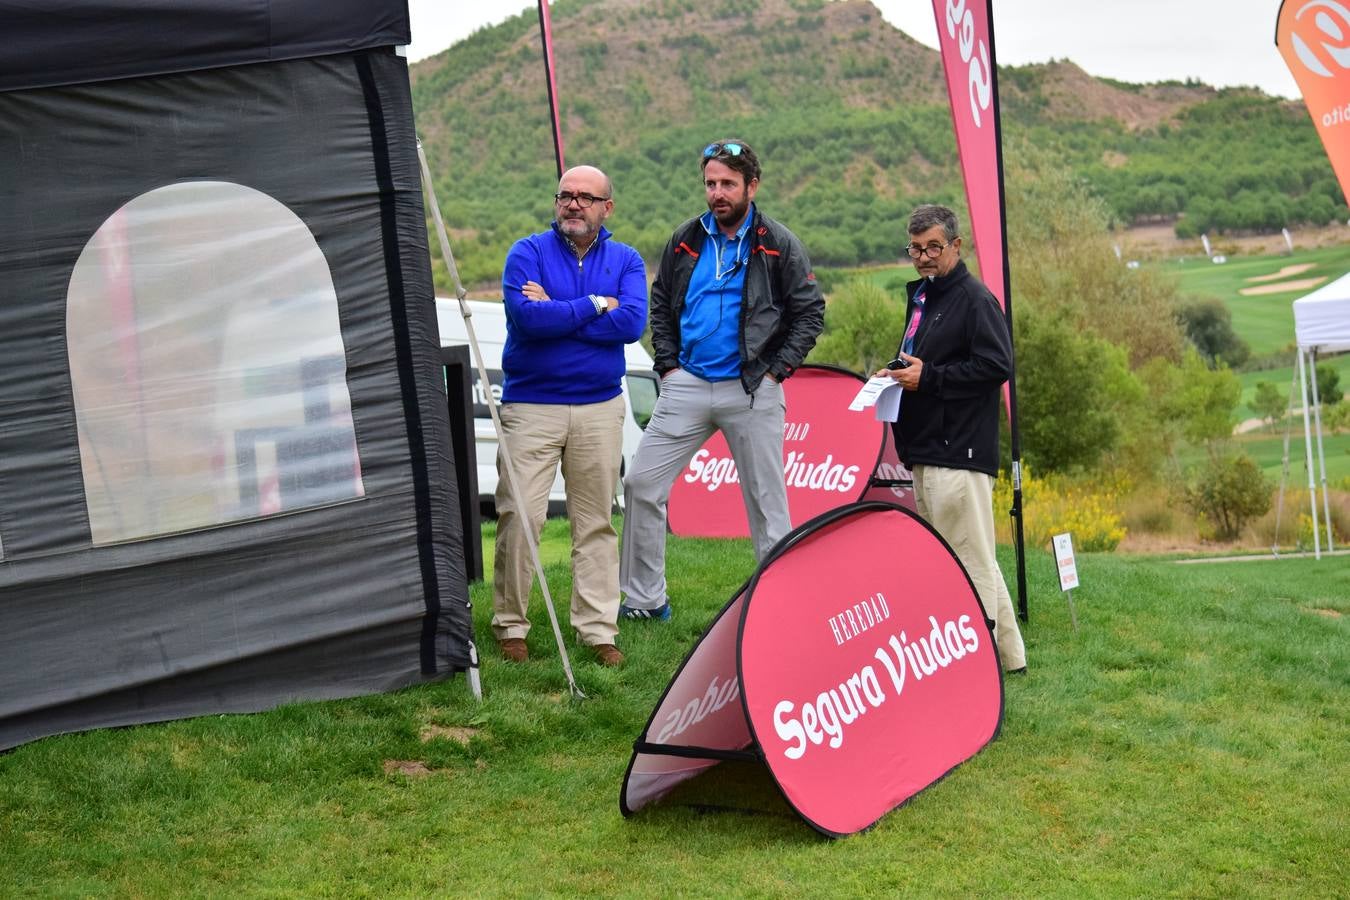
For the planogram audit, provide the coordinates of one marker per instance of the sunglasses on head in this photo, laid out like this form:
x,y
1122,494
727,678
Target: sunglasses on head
x,y
730,148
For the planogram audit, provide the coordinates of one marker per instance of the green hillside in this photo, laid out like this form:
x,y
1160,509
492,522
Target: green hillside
x,y
849,115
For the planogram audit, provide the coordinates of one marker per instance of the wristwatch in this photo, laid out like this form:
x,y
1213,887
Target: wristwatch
x,y
601,306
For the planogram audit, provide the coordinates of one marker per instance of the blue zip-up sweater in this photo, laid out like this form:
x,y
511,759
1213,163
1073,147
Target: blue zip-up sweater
x,y
560,350
710,320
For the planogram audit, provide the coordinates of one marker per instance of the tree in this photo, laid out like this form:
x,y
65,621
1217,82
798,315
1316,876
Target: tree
x,y
1229,491
863,327
1269,403
1070,387
1201,401
1059,248
1328,385
1209,325
1336,419
1189,403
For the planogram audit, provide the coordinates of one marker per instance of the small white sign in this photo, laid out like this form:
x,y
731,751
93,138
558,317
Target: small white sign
x,y
1068,571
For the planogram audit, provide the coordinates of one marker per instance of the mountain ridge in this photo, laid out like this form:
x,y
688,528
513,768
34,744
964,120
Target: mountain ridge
x,y
848,113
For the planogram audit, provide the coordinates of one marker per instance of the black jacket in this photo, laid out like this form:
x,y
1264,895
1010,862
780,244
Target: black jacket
x,y
952,419
782,310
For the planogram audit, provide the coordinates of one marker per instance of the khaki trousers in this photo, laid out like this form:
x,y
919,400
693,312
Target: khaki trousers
x,y
959,503
587,440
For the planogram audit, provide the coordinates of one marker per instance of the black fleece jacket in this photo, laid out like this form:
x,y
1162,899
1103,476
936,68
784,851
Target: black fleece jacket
x,y
952,419
782,310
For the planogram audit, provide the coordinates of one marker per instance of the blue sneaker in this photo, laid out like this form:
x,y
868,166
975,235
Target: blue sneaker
x,y
660,614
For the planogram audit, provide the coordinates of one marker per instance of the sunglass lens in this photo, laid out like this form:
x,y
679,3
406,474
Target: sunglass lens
x,y
729,149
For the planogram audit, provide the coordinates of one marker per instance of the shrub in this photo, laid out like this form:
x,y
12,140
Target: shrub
x,y
1053,505
1151,512
1295,524
1336,419
863,327
1229,491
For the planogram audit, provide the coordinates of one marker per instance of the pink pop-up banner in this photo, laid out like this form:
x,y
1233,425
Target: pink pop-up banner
x,y
856,665
830,455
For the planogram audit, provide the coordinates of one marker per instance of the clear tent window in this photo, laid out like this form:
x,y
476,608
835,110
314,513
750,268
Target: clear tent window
x,y
207,365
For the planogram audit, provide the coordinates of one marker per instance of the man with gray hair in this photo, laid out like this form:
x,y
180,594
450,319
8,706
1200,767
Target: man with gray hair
x,y
955,355
573,297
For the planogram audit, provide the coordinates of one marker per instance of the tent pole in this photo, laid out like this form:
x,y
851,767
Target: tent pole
x,y
1284,460
508,466
1321,455
1307,447
1014,431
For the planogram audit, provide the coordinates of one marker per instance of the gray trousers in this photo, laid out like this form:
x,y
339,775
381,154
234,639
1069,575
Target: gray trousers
x,y
688,411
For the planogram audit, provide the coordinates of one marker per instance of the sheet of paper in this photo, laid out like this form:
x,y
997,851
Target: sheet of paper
x,y
882,393
888,404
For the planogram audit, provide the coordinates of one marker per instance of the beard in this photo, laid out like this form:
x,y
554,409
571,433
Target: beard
x,y
578,227
731,215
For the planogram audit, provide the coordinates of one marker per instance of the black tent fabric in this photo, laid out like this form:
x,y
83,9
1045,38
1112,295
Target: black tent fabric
x,y
54,42
225,468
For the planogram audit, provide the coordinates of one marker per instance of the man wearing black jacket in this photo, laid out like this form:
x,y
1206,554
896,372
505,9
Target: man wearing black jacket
x,y
955,356
734,310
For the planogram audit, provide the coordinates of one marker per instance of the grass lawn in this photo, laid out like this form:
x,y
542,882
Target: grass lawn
x,y
1267,449
1189,739
1264,321
1283,377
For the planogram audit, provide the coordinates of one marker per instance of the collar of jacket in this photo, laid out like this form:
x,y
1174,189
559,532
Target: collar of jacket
x,y
942,284
762,237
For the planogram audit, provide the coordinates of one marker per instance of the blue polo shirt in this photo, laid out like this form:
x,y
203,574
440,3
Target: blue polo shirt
x,y
710,322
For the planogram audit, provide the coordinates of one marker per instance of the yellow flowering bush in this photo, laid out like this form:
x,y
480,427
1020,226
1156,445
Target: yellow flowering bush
x,y
1090,512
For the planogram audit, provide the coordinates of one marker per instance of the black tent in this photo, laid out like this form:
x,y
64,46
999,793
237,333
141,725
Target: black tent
x,y
225,469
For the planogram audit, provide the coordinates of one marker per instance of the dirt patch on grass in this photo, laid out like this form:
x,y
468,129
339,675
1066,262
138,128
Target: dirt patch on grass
x,y
1284,287
1286,272
413,768
1324,612
448,732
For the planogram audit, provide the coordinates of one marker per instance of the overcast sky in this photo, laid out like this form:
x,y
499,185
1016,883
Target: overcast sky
x,y
1221,42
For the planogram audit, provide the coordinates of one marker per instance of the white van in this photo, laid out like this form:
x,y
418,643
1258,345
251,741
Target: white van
x,y
640,388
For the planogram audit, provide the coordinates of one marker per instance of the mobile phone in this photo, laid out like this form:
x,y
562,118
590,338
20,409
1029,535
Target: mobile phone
x,y
898,363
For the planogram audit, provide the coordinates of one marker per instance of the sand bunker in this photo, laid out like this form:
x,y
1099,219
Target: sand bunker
x,y
1284,287
1286,272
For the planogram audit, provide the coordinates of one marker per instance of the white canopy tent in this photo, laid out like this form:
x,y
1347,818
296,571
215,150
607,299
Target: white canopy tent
x,y
1321,325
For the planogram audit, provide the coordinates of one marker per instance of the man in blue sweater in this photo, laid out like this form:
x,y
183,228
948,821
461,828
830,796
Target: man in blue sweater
x,y
574,297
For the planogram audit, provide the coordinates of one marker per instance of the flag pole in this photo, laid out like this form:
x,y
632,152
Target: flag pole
x,y
1014,433
546,39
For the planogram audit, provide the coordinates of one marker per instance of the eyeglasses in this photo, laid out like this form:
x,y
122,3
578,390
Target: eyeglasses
x,y
729,148
932,251
585,201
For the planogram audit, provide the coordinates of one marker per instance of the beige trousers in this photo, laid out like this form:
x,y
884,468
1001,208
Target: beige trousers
x,y
587,440
959,503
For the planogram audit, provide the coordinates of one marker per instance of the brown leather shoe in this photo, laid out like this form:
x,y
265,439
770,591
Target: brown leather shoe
x,y
514,649
607,655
